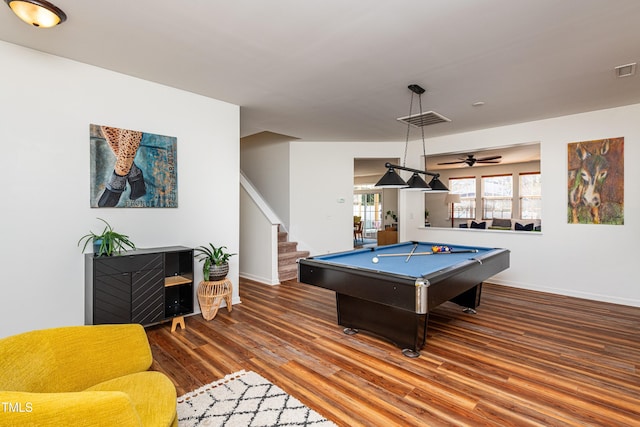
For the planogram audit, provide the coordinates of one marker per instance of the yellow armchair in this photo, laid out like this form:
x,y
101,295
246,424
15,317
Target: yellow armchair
x,y
83,376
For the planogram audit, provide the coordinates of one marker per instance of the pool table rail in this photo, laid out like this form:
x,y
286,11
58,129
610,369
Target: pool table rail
x,y
388,289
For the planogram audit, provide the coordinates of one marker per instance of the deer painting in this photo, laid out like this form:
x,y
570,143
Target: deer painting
x,y
586,182
588,179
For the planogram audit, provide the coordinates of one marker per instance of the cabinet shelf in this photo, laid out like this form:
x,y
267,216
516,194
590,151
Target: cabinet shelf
x,y
176,280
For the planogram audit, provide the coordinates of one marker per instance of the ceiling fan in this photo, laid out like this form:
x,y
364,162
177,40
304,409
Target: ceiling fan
x,y
470,160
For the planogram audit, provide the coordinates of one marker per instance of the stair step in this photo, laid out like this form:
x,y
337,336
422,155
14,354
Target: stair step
x,y
288,272
287,247
291,257
288,255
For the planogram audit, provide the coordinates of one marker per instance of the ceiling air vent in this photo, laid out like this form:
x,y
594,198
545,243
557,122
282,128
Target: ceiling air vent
x,y
626,70
424,119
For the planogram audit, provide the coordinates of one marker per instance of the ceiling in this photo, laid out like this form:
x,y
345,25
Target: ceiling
x,y
338,70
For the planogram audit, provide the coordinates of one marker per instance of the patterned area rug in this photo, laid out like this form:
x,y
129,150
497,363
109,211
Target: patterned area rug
x,y
244,399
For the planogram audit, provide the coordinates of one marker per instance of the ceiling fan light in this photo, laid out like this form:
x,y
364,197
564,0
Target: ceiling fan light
x,y
38,13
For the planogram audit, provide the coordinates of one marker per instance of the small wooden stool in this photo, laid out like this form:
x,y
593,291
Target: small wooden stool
x,y
211,294
177,321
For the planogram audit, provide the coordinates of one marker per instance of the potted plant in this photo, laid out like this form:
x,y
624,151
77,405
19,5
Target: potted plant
x,y
216,261
394,217
108,242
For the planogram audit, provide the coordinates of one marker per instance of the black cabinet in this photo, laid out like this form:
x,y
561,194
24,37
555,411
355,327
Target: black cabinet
x,y
178,283
143,286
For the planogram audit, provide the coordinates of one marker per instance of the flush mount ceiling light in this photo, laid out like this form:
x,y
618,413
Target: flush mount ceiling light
x,y
39,13
391,179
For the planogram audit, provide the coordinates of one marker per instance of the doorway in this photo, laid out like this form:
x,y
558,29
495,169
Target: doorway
x,y
367,205
370,202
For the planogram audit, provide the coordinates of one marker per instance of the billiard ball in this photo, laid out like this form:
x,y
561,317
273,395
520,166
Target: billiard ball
x,y
375,260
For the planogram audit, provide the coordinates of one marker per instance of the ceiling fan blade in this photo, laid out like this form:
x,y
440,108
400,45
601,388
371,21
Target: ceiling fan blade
x,y
470,160
452,163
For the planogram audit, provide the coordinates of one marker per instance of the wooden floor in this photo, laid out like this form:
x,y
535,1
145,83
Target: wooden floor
x,y
526,358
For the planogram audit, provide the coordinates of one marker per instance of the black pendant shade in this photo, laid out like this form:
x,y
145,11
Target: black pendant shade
x,y
417,184
437,185
391,179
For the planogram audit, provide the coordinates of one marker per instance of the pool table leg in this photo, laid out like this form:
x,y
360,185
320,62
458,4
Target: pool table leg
x,y
406,329
410,353
470,299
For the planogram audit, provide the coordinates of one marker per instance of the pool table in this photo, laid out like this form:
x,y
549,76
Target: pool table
x,y
390,293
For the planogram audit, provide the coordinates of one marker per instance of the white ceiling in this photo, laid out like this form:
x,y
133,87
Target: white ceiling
x,y
339,70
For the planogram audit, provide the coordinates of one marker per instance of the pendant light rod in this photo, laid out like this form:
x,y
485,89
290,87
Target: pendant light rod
x,y
405,168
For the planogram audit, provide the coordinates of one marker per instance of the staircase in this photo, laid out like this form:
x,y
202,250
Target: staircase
x,y
288,254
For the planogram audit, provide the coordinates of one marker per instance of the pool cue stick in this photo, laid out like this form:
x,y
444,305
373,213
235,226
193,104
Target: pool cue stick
x,y
415,246
431,253
405,254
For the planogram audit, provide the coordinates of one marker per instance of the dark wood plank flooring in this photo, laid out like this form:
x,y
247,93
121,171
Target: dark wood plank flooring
x,y
525,359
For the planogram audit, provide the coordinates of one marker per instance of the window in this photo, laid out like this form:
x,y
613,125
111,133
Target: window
x,y
466,188
530,196
497,196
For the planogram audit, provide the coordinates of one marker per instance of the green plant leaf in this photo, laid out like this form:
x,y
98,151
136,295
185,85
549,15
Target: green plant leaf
x,y
212,255
110,241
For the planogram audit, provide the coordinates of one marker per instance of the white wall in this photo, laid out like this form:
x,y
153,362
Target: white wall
x,y
257,238
264,159
46,107
589,261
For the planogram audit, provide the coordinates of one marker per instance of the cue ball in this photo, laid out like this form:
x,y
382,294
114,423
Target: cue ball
x,y
375,260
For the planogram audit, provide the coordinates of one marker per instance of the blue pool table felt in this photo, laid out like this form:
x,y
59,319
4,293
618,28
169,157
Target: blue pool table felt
x,y
417,266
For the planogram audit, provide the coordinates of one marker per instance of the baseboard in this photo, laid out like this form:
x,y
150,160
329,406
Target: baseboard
x,y
259,279
568,293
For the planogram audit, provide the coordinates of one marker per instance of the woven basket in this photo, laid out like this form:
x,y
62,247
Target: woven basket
x,y
211,294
